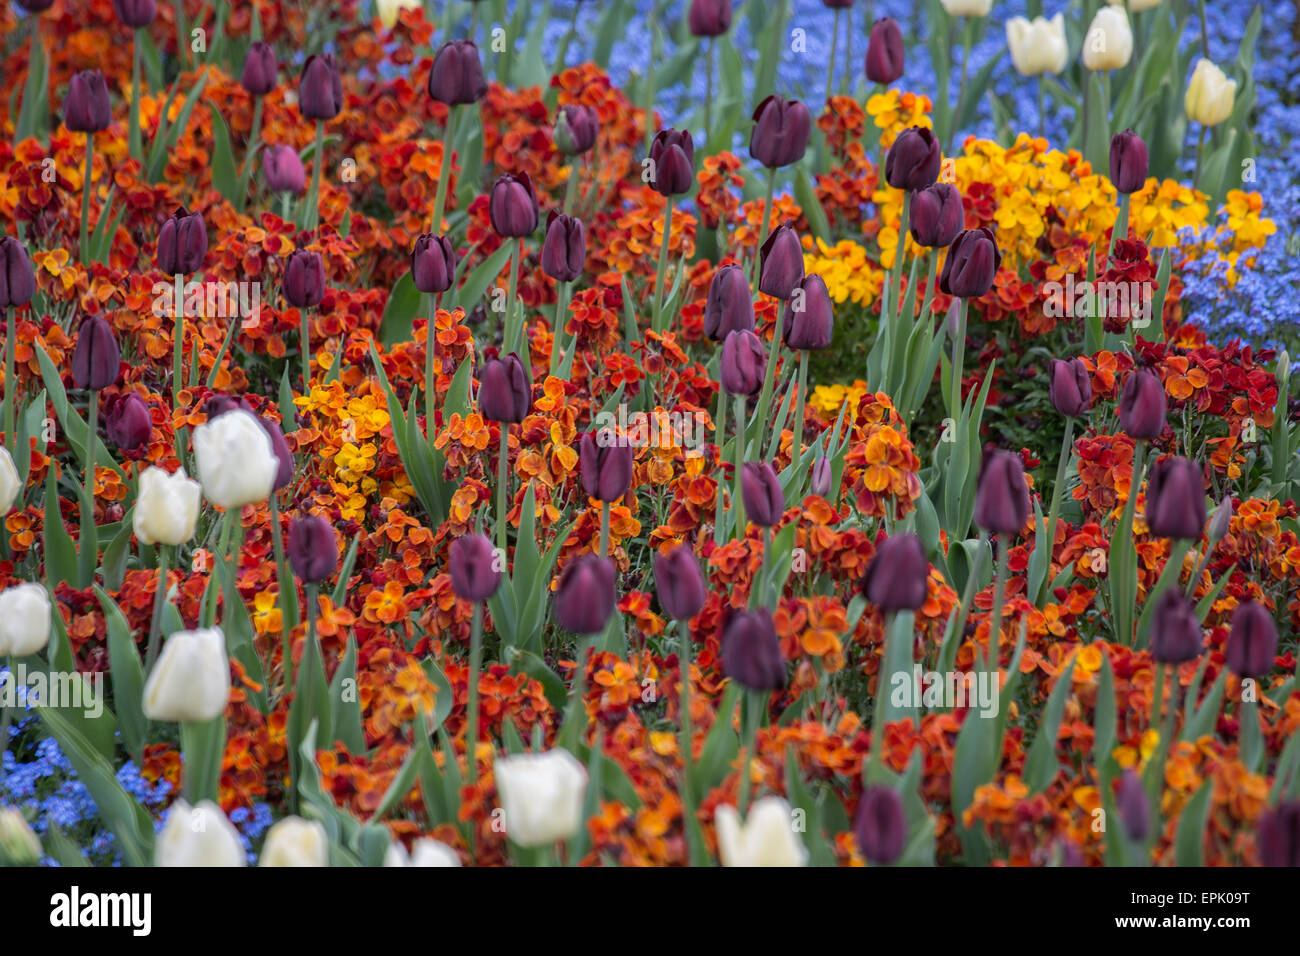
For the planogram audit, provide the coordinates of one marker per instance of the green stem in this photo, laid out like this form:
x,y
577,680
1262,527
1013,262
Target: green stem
x,y
87,546
178,341
604,528
11,384
304,347
1157,698
315,176
1042,110
1120,230
288,595
967,37
656,316
762,235
225,347
1067,445
85,199
133,135
708,98
1205,33
796,447
558,334
684,665
737,499
749,718
214,588
502,477
720,438
958,358
254,135
471,707
512,337
999,592
848,51
444,172
1200,569
896,274
430,388
159,602
835,42
1200,149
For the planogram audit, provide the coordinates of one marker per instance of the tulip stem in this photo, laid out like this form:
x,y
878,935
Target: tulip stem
x,y
796,446
159,599
1201,562
430,345
896,274
225,347
999,592
178,345
304,346
958,357
762,235
751,705
558,332
316,159
133,138
604,528
847,83
5,716
223,550
288,596
1042,111
835,42
11,386
254,135
1205,34
502,475
967,38
444,172
85,199
720,439
471,707
510,334
87,547
1120,229
1067,445
656,317
684,669
737,499
1200,148
1157,696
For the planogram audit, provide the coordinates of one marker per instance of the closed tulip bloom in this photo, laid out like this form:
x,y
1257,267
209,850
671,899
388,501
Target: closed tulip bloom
x,y
679,583
1221,520
320,88
260,69
1175,630
972,264
96,358
967,8
1108,44
884,51
1069,387
781,131
191,681
17,278
751,652
898,577
710,18
504,394
472,561
313,548
761,490
730,305
1002,497
87,109
1175,505
743,365
914,159
576,128
809,320
1128,162
1278,836
672,163
822,476
880,827
424,852
198,836
19,846
129,424
513,206
585,597
236,461
837,4
936,215
1252,641
10,484
283,169
303,284
456,77
24,619
36,6
767,837
166,507
135,13
1142,406
1038,46
781,268
294,841
1137,6
606,461
433,264
1134,809
1210,94
542,796
565,250
182,243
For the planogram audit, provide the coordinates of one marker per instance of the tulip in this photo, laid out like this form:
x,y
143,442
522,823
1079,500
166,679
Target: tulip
x,y
766,838
1278,837
1001,497
809,319
710,18
672,163
967,8
433,264
565,249
1175,506
1142,406
542,796
10,484
1108,44
135,13
166,507
781,131
1069,387
679,582
585,597
283,169
191,681
782,263
1134,810
1221,520
182,243
914,159
885,52
1252,640
1210,94
743,365
576,128
19,846
320,88
972,264
730,305
822,476
504,393
36,6
260,68
425,852
17,278
24,619
1175,629
294,841
880,827
87,109
761,490
304,279
472,562
898,577
513,206
129,424
1039,46
389,10
936,215
456,77
751,652
313,548
96,359
236,460
283,456
198,836
1137,6
606,460
1128,162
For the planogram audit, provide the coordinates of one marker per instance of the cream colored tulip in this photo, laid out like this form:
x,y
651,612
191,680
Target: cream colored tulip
x,y
9,483
19,846
166,508
425,852
766,838
1108,44
1039,46
389,9
1137,6
236,462
191,681
967,8
198,836
296,842
24,619
541,795
1210,94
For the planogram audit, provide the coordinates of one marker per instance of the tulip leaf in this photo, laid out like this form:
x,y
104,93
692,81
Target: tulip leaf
x,y
127,673
431,786
113,562
1041,766
31,424
1169,578
1287,774
345,701
1189,839
529,663
225,178
1104,716
480,278
1250,740
802,800
1207,715
35,114
164,145
62,849
813,211
203,745
60,554
400,311
720,747
402,784
895,663
310,706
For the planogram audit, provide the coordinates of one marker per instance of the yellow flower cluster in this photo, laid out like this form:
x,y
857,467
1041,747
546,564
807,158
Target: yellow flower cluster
x,y
1162,209
827,399
850,276
896,111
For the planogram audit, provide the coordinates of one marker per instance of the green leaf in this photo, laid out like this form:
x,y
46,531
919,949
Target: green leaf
x,y
127,673
203,745
1190,836
345,713
444,699
401,310
225,178
60,554
471,291
1041,766
1207,715
61,848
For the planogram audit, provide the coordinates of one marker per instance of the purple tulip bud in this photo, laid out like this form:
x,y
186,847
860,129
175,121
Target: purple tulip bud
x,y
17,278
283,169
1252,640
822,476
565,250
304,279
260,69
135,13
781,268
884,52
781,131
313,548
672,163
913,161
1001,497
744,364
96,360
182,243
1175,505
936,215
837,4
1142,406
87,109
751,652
679,582
472,561
710,18
898,577
220,403
879,826
972,264
730,306
1134,809
513,206
585,597
433,264
36,6
1175,630
576,128
504,393
320,88
1128,162
809,320
606,461
280,446
1069,387
760,489
1067,853
1221,520
1278,837
128,423
456,77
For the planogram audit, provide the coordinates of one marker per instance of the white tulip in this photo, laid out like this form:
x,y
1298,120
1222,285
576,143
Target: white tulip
x,y
19,846
425,852
198,836
24,619
9,483
166,508
236,463
296,842
1109,42
389,9
191,680
1137,6
541,795
766,838
1210,94
1037,47
967,8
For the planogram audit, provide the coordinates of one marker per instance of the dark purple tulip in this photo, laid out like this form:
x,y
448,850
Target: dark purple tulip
x,y
1252,641
1128,162
313,548
1175,631
837,4
565,250
884,52
1221,520
1142,406
914,159
1067,852
679,582
220,403
809,318
17,278
710,18
585,597
320,88
576,128
781,268
280,446
730,306
1279,835
760,489
744,364
504,394
182,243
36,6
672,163
935,215
513,206
1069,387
456,77
96,360
781,131
606,460
128,423
283,169
472,561
87,109
260,69
304,279
879,826
898,577
1134,809
822,476
751,652
972,264
433,264
135,13
1175,505
1001,497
